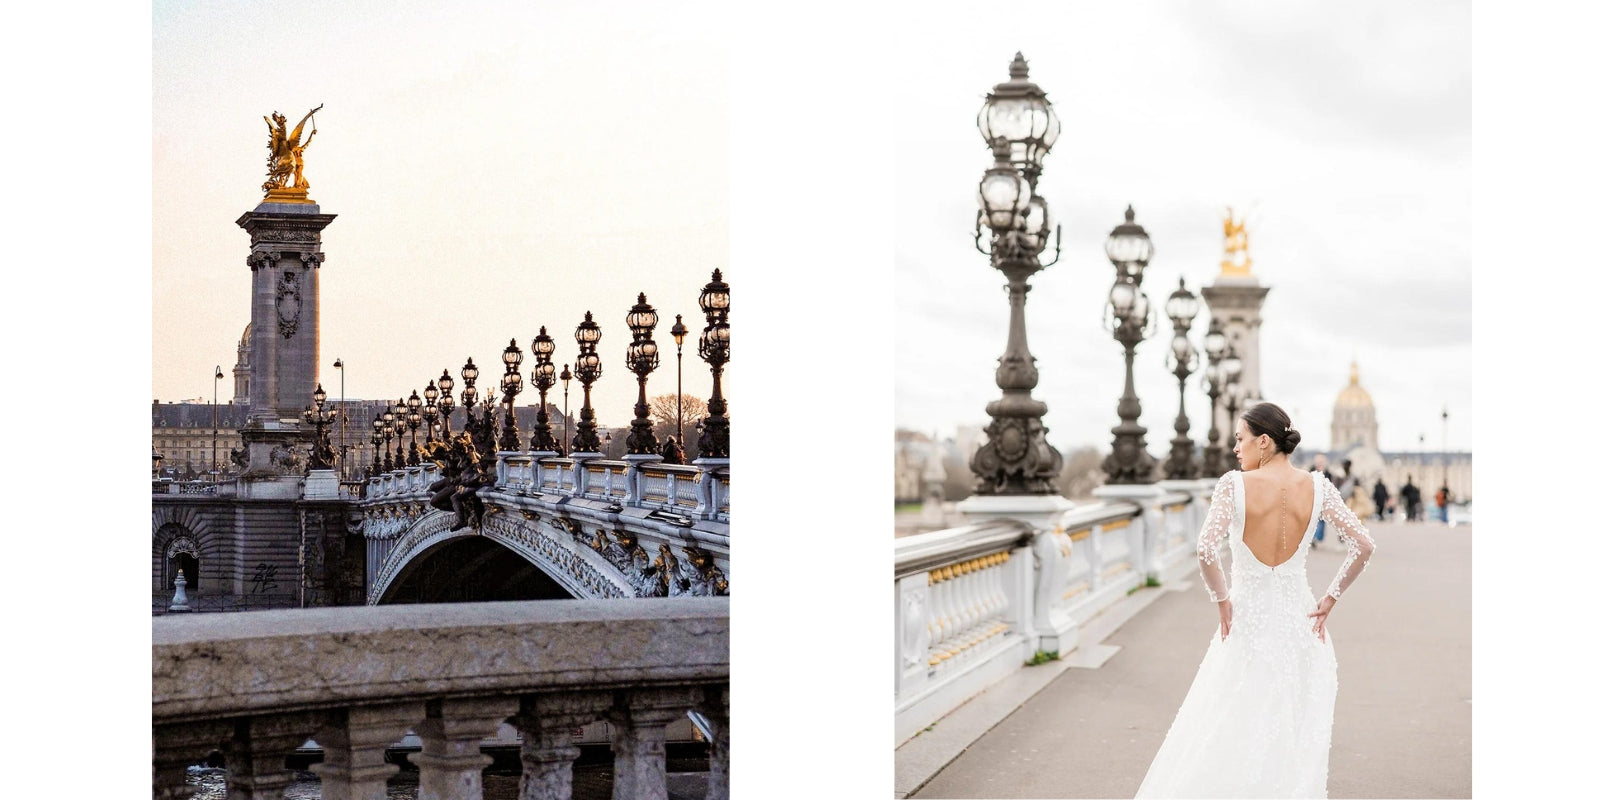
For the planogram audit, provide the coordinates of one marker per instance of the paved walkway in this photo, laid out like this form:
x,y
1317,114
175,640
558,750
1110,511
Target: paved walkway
x,y
1403,722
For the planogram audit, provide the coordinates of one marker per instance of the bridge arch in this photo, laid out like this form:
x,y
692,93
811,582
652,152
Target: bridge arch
x,y
576,573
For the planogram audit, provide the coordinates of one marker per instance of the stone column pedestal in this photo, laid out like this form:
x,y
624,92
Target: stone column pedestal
x,y
179,745
547,723
258,752
1145,527
640,741
353,743
451,762
322,484
1042,511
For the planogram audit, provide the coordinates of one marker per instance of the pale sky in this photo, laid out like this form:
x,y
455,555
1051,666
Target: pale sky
x,y
1341,131
494,167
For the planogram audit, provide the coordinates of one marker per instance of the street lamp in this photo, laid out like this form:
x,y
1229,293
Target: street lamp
x,y
1216,344
1018,114
511,386
1232,389
642,360
320,417
1019,125
679,330
411,409
544,377
377,442
1444,447
344,416
714,343
430,408
1182,307
391,432
469,394
588,363
214,426
566,419
1129,319
447,403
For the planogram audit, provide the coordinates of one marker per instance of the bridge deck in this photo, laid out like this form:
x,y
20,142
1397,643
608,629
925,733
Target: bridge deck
x,y
1402,723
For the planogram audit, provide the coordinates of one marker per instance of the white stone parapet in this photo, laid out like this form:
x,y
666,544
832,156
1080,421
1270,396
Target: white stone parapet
x,y
259,684
975,602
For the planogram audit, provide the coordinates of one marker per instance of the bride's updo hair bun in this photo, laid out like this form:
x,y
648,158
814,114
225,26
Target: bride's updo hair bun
x,y
1270,420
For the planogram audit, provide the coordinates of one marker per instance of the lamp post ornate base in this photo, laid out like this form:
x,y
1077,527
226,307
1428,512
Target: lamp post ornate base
x,y
1129,461
1017,459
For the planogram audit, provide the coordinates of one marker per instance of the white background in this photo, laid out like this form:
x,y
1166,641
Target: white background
x,y
811,196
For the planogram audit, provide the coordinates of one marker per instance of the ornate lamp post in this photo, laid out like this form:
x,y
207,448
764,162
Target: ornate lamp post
x,y
344,416
447,403
1232,389
1182,307
391,432
1020,126
714,350
566,419
377,443
412,410
1216,345
214,379
320,418
642,360
1129,319
469,394
430,408
679,330
511,386
588,364
544,377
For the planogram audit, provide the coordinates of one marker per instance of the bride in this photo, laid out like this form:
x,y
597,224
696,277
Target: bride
x,y
1259,716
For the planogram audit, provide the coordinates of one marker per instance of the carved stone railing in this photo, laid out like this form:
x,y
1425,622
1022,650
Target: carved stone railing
x,y
973,603
356,680
598,527
168,486
700,492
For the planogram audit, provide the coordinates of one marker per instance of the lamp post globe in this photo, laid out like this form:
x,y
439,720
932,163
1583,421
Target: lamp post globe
x,y
447,403
544,377
1017,113
642,359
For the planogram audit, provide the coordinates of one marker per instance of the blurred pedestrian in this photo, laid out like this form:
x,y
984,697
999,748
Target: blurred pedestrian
x,y
1412,497
1320,465
1380,497
1442,498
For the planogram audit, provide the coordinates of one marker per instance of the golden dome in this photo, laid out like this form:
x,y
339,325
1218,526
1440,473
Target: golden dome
x,y
1353,396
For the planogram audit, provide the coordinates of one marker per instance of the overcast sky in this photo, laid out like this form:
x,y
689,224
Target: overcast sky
x,y
1341,131
494,167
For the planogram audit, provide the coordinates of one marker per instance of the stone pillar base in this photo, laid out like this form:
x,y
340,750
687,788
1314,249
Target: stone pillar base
x,y
1042,511
322,484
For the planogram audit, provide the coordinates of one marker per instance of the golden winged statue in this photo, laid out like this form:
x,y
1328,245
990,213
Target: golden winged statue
x,y
286,158
1236,259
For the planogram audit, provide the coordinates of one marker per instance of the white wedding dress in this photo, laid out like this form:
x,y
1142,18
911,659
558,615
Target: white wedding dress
x,y
1258,718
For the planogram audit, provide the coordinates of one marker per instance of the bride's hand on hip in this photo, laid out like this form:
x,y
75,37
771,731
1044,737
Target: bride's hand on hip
x,y
1225,608
1320,626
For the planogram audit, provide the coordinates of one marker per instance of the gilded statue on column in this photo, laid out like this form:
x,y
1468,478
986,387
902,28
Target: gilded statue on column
x,y
286,181
1236,258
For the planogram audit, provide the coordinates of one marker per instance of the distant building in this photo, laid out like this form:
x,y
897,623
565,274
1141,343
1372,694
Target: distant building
x,y
1354,437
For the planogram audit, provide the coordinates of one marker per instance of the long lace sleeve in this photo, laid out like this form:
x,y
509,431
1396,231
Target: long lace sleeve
x,y
1218,520
1358,543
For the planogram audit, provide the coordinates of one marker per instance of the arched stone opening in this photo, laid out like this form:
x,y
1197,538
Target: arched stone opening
x,y
179,553
471,569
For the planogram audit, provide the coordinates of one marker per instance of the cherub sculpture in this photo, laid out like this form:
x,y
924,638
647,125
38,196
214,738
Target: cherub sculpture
x,y
459,480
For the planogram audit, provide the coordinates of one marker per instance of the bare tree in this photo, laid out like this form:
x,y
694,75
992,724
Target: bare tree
x,y
664,414
1081,473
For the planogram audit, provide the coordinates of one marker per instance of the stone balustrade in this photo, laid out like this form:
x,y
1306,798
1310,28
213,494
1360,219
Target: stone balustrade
x,y
696,491
169,486
975,602
255,686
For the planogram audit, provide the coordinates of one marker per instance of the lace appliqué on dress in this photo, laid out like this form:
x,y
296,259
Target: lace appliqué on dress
x,y
1219,520
1357,541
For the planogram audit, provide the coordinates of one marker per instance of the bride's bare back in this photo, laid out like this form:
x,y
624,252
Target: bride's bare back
x,y
1277,512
